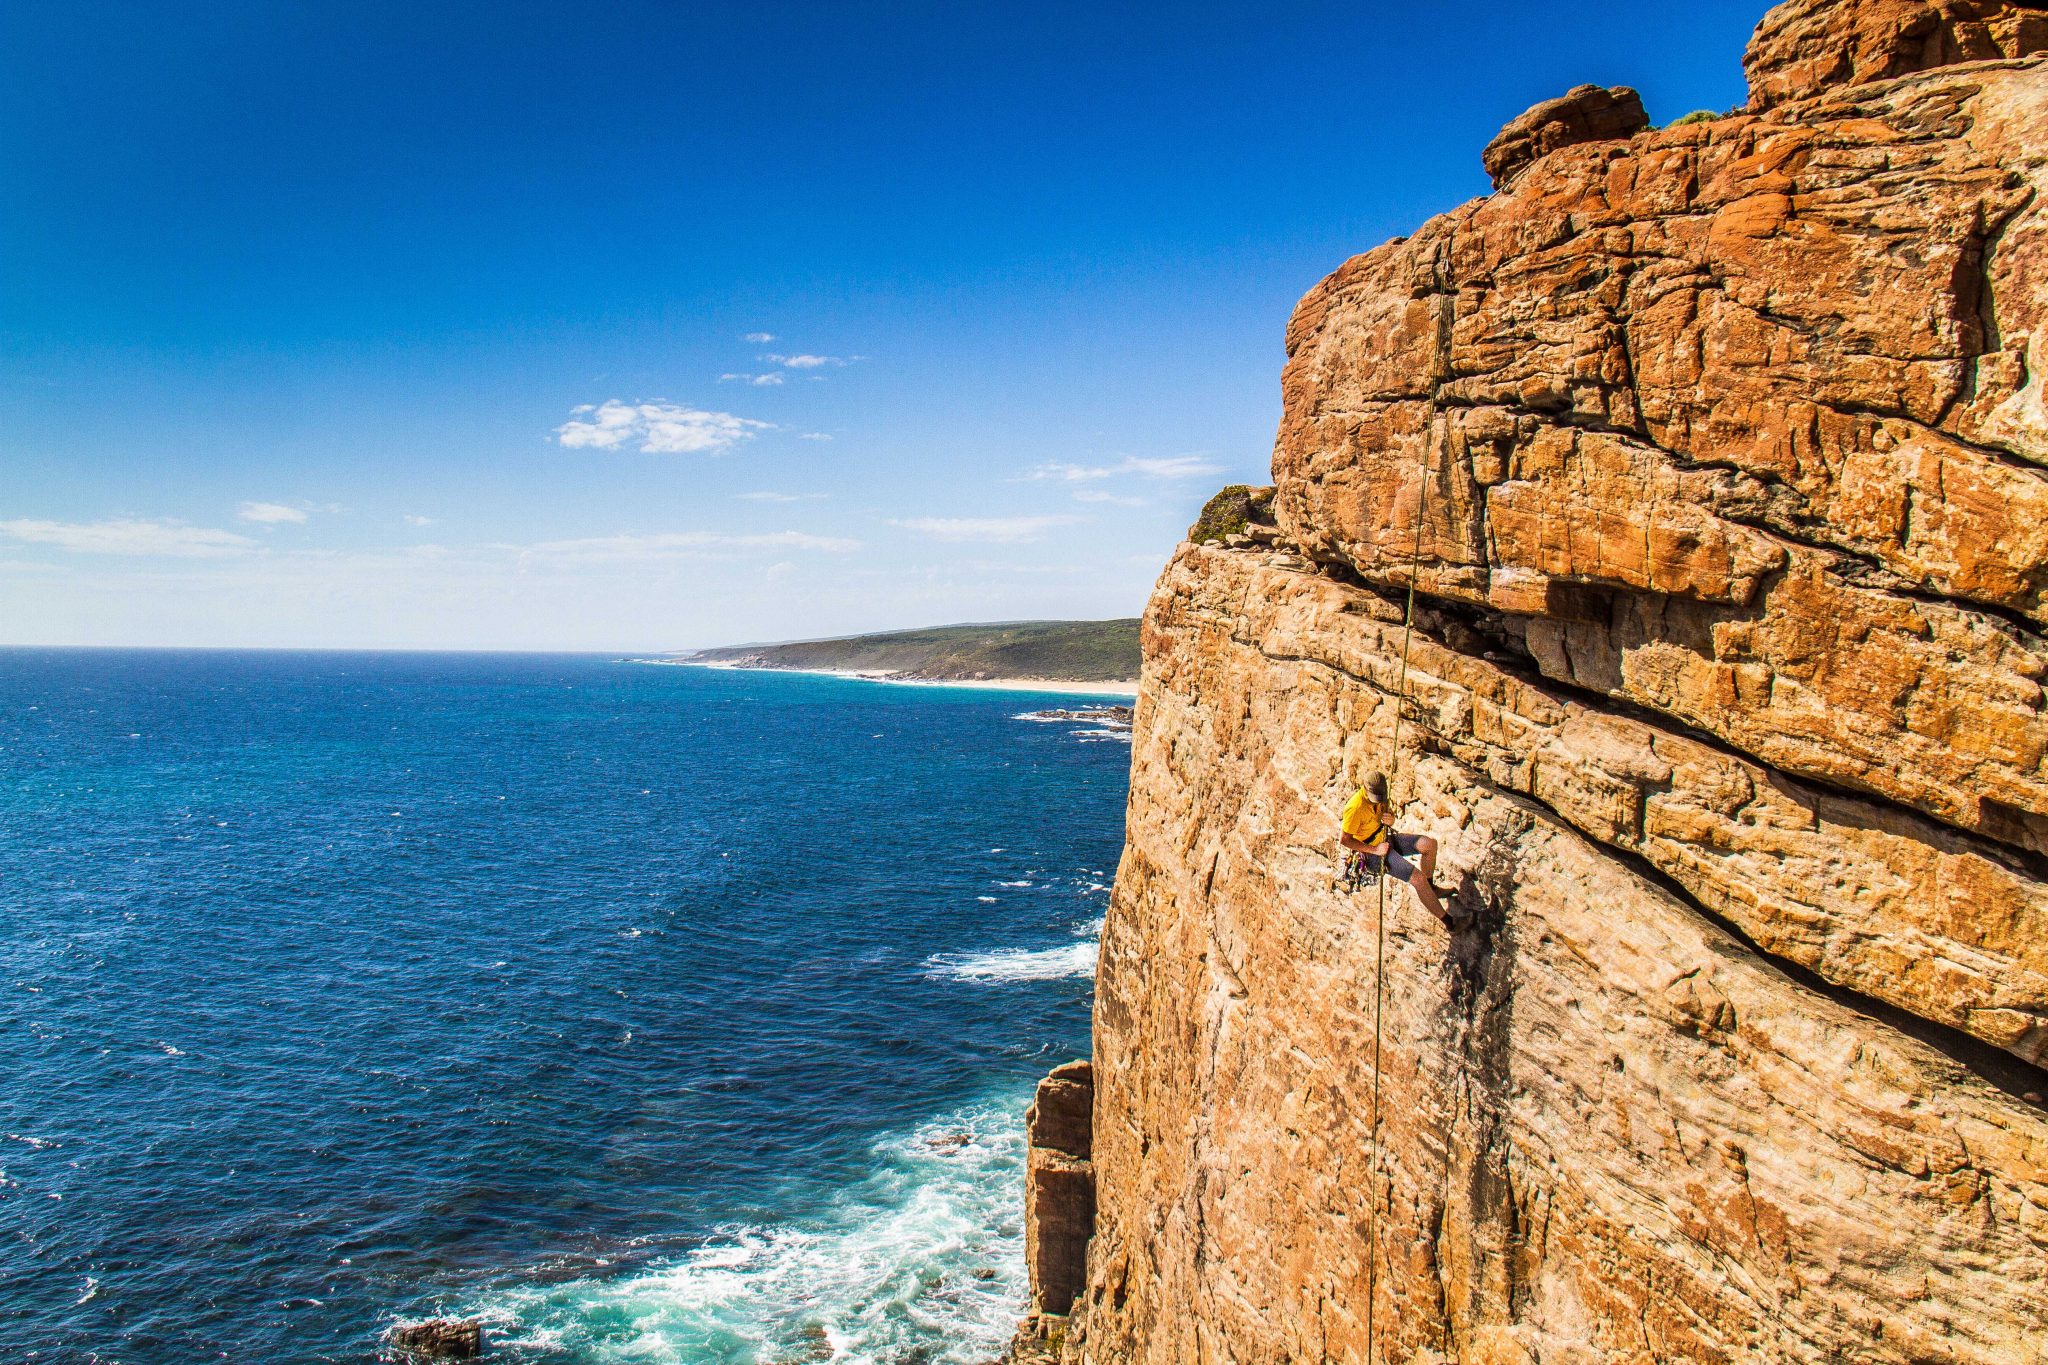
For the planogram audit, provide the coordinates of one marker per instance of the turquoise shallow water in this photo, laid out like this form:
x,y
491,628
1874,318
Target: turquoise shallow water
x,y
656,1014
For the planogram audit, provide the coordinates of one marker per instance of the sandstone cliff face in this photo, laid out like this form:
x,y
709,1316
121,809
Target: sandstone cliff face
x,y
1715,455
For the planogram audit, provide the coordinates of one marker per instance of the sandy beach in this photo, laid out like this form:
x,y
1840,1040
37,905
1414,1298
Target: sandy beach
x,y
1077,689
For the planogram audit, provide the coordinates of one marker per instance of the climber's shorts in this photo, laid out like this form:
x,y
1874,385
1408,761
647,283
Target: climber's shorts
x,y
1403,848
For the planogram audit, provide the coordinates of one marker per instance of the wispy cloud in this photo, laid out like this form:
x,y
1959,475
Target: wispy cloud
x,y
810,362
269,513
988,530
780,497
660,428
1168,467
813,436
1111,499
632,548
130,536
412,519
760,338
759,381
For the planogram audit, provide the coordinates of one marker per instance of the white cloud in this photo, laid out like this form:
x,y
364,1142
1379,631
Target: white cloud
x,y
660,428
813,436
411,519
1097,495
130,536
995,530
759,381
760,338
269,513
780,497
1169,467
810,362
630,548
1174,467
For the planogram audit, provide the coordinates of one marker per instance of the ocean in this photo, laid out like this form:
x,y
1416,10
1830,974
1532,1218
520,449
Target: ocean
x,y
652,1014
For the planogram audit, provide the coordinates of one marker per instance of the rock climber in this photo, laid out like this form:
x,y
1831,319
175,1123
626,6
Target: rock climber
x,y
1369,833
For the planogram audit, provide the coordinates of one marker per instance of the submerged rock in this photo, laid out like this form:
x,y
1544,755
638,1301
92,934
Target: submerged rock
x,y
816,1346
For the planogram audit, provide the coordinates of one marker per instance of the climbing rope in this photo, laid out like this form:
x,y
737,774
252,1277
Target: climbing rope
x,y
1379,959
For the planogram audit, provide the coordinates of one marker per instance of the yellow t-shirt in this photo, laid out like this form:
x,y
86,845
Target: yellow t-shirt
x,y
1366,821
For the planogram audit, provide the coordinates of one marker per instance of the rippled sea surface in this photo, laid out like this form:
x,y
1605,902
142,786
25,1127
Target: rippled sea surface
x,y
654,1014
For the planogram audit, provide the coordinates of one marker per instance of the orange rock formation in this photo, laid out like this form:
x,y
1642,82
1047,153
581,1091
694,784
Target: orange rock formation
x,y
1725,450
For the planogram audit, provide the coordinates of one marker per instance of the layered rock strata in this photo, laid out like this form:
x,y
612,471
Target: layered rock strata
x,y
1802,49
1617,1122
1732,421
1714,459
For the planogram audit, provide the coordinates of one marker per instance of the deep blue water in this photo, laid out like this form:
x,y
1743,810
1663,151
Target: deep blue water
x,y
654,1013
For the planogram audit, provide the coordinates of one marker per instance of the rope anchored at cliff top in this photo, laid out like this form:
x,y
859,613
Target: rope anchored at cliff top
x,y
1379,959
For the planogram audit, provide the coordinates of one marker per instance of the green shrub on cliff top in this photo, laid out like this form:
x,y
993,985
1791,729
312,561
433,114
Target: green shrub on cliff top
x,y
1230,511
1696,116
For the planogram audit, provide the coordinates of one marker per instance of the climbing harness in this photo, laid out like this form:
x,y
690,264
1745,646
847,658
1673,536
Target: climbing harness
x,y
1357,867
1379,961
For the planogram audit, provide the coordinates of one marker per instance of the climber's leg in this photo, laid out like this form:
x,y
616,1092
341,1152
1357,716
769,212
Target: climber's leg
x,y
1425,857
1403,848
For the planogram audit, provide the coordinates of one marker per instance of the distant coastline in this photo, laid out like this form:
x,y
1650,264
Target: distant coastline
x,y
1089,658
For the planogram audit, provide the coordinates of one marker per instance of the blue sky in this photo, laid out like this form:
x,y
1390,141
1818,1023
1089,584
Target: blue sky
x,y
638,326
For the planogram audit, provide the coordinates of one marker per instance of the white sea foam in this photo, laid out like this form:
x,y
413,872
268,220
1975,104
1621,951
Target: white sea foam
x,y
986,900
922,1260
1025,964
1016,964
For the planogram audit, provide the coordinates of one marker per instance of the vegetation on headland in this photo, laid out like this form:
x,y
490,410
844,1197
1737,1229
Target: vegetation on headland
x,y
1060,651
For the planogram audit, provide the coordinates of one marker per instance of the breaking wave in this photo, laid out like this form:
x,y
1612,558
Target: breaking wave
x,y
922,1260
1017,964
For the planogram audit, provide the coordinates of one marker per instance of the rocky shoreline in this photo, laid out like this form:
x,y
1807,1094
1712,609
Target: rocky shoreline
x,y
1104,717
